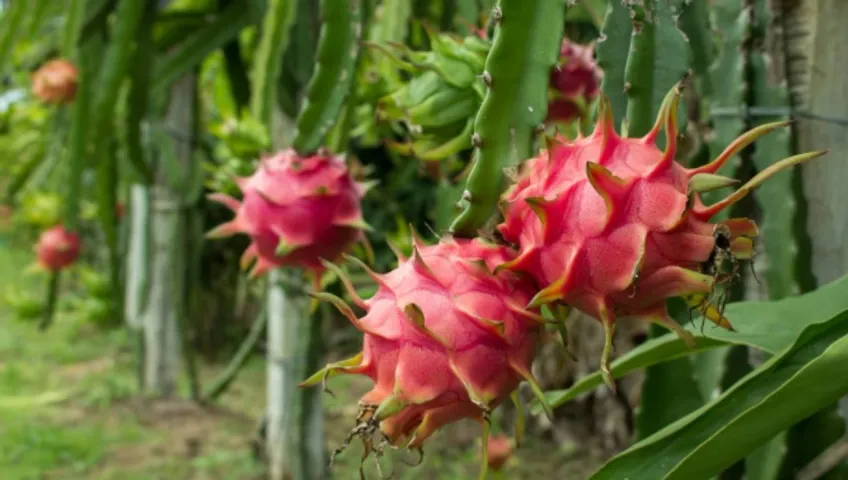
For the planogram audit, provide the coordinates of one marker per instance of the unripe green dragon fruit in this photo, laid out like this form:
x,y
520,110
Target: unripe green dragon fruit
x,y
446,338
434,109
614,226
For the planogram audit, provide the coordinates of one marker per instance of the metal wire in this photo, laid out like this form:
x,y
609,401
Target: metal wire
x,y
746,111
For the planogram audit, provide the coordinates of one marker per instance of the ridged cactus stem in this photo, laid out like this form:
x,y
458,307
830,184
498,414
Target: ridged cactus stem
x,y
777,195
613,45
729,83
639,70
272,45
525,48
338,49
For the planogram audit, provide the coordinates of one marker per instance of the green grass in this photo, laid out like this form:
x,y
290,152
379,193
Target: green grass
x,y
69,409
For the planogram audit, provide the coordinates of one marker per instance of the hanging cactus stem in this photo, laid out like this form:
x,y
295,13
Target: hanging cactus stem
x,y
528,34
338,49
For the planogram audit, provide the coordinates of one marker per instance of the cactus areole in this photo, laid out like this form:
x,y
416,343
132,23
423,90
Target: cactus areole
x,y
613,226
446,338
57,249
297,211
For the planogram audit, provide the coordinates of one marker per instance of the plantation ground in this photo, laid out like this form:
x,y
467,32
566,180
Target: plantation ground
x,y
69,410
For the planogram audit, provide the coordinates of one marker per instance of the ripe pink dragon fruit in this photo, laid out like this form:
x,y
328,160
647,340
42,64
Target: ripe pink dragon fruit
x,y
297,210
57,248
574,84
499,452
614,226
446,338
55,81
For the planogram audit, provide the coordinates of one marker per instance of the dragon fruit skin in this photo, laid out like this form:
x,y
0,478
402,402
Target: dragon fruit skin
x,y
613,226
57,248
297,210
445,339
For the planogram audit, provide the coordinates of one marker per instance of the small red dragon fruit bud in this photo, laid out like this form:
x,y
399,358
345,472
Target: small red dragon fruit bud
x,y
55,81
614,226
57,248
446,338
297,210
575,83
499,452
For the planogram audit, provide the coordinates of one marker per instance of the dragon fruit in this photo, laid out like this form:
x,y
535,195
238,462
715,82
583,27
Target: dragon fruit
x,y
297,211
57,248
574,84
499,451
55,81
613,226
446,338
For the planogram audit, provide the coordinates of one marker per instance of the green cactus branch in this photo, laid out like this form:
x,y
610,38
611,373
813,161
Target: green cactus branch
x,y
138,98
776,196
338,49
76,157
268,61
695,24
729,83
642,54
10,22
658,58
525,48
73,26
639,69
612,55
190,52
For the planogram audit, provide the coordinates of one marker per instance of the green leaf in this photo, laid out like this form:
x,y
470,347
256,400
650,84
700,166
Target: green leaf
x,y
784,390
670,390
709,367
764,462
769,326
